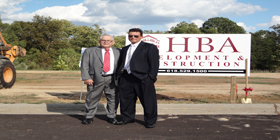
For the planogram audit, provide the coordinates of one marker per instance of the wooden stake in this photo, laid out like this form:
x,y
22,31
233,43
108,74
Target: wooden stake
x,y
233,89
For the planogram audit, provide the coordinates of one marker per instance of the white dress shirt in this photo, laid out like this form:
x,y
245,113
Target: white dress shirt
x,y
132,48
112,60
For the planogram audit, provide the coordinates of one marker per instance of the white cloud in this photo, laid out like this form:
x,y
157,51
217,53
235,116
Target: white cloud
x,y
198,22
8,7
169,25
118,29
120,14
248,29
165,11
274,21
71,13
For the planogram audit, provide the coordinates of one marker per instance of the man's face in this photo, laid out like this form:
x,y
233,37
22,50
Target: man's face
x,y
106,42
134,37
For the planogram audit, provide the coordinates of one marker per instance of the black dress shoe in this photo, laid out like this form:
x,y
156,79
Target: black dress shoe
x,y
87,121
125,122
150,125
112,120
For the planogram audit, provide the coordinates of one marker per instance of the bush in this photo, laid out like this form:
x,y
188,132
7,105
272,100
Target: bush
x,y
67,60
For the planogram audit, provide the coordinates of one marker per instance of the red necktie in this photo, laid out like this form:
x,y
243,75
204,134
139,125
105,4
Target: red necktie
x,y
106,65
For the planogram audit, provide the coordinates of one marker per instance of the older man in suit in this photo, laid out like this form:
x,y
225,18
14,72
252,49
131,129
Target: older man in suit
x,y
138,65
98,69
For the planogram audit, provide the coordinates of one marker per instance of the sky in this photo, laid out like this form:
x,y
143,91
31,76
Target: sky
x,y
118,16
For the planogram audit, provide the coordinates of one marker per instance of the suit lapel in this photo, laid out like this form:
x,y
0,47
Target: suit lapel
x,y
138,49
99,54
115,51
124,52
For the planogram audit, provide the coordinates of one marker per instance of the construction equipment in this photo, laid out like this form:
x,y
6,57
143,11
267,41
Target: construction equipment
x,y
8,53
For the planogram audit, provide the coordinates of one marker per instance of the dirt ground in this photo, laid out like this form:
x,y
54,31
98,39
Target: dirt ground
x,y
66,87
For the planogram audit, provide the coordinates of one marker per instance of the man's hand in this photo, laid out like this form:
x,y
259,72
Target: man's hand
x,y
89,82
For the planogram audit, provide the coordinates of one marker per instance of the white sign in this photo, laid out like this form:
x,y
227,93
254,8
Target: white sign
x,y
82,52
202,54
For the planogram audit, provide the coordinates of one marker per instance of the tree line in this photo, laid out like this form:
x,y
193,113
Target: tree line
x,y
54,44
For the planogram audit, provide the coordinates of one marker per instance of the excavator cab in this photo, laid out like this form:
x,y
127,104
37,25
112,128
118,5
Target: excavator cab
x,y
8,53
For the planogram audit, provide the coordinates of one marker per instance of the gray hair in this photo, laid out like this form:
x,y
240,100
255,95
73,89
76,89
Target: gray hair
x,y
107,35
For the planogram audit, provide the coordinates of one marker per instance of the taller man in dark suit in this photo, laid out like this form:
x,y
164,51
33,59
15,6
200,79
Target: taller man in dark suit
x,y
138,65
98,70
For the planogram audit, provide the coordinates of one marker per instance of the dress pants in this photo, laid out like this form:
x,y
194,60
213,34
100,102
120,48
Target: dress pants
x,y
130,87
94,93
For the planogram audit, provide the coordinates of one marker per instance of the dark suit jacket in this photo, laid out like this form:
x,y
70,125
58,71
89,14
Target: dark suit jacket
x,y
144,62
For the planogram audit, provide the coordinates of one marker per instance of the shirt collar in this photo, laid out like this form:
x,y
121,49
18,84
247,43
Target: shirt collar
x,y
110,49
136,44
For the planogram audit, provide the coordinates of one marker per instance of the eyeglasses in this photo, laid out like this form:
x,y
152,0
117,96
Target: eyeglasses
x,y
106,41
136,36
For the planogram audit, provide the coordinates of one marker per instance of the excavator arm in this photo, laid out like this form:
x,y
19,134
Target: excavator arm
x,y
9,51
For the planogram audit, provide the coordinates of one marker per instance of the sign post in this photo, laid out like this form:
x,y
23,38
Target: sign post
x,y
82,52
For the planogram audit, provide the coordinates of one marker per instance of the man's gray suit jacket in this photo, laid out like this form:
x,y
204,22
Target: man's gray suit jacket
x,y
92,64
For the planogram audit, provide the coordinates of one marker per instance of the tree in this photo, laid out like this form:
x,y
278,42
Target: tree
x,y
3,26
47,32
84,36
156,32
276,28
119,41
222,25
276,57
185,28
4,31
263,48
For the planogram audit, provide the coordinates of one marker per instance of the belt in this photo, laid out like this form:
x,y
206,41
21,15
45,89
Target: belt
x,y
125,71
107,75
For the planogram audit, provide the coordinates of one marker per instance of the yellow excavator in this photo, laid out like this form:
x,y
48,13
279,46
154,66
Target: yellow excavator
x,y
8,53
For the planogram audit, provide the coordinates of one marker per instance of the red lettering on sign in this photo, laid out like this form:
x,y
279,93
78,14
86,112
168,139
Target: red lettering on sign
x,y
174,63
171,44
160,57
192,63
200,64
197,57
226,64
208,44
231,45
178,57
168,57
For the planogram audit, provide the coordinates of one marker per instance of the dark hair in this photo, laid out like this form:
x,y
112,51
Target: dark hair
x,y
136,30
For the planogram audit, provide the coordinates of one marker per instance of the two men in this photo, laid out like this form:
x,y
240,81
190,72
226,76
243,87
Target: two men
x,y
98,68
136,73
138,65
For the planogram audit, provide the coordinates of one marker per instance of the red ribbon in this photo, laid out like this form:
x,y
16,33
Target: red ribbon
x,y
247,90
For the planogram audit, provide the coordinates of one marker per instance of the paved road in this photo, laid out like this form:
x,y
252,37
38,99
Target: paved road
x,y
176,121
169,127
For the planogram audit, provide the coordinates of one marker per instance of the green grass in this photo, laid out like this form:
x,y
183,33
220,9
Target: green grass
x,y
219,77
262,83
67,75
240,78
26,98
158,89
18,99
256,78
